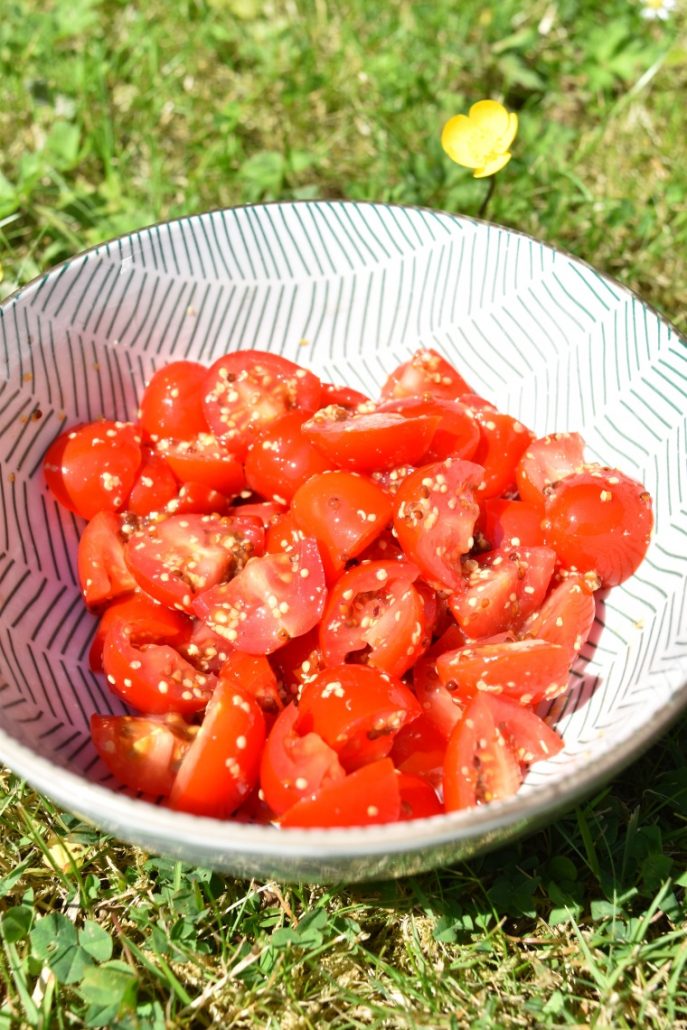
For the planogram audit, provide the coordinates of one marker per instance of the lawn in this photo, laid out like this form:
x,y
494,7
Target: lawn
x,y
114,115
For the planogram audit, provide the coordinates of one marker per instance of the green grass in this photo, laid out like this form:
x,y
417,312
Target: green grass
x,y
114,115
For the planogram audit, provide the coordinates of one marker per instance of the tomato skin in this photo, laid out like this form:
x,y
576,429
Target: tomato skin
x,y
142,751
434,518
374,607
366,797
357,710
546,460
202,459
418,798
156,485
371,440
526,671
198,499
221,767
566,616
479,766
282,458
93,467
283,534
529,737
344,511
295,765
510,523
141,612
153,678
172,402
426,373
178,557
271,600
601,521
419,750
246,390
457,434
101,566
254,674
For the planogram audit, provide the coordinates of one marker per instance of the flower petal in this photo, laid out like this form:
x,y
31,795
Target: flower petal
x,y
490,117
458,139
496,163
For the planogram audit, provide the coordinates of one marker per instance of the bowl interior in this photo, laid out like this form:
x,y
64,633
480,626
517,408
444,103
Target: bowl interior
x,y
350,290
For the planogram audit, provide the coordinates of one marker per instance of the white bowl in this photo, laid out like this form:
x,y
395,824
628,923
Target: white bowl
x,y
543,335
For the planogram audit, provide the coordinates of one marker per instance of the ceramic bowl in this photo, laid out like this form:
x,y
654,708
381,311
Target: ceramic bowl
x,y
350,290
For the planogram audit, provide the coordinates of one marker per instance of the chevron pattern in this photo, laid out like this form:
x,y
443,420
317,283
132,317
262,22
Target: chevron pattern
x,y
349,289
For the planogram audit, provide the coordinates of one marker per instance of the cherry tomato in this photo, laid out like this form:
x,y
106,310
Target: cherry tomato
x,y
139,611
271,600
504,440
509,523
343,396
457,434
419,748
566,616
344,511
198,499
93,467
434,518
156,485
440,707
357,710
221,767
526,671
283,534
425,374
528,736
178,557
299,661
172,402
282,458
295,765
153,678
143,752
375,615
479,766
203,459
418,798
103,572
366,797
599,521
246,390
253,673
546,460
369,441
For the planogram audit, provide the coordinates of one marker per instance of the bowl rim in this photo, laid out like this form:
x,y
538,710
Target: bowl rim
x,y
132,817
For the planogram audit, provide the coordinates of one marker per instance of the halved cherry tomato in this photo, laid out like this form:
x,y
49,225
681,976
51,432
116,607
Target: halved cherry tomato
x,y
526,671
344,511
599,521
254,674
246,390
504,440
366,797
271,600
425,374
139,610
566,616
509,523
295,765
374,615
143,752
203,459
419,748
177,557
357,710
343,396
102,569
418,798
479,766
282,458
546,460
457,434
221,767
155,487
93,467
372,440
434,518
172,402
153,678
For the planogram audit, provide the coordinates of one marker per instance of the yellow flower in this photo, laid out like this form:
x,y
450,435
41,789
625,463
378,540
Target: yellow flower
x,y
480,139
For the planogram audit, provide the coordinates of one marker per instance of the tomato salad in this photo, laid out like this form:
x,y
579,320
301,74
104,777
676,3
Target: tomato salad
x,y
327,610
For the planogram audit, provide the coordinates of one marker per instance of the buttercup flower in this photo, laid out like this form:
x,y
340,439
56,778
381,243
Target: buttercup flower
x,y
653,9
480,139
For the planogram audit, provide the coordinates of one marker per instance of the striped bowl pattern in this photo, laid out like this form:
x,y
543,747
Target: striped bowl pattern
x,y
351,290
